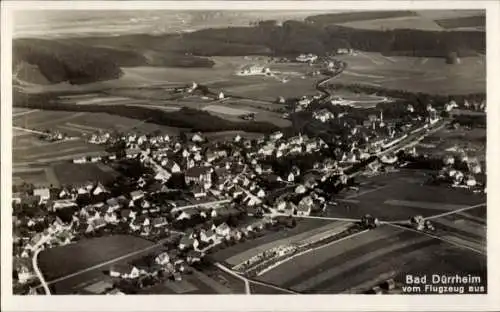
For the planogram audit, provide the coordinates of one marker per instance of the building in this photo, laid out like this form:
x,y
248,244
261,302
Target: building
x,y
136,195
305,206
304,58
323,115
61,204
162,259
198,175
43,193
223,230
187,242
124,271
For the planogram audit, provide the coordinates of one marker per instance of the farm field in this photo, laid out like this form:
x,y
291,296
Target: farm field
x,y
296,239
362,261
77,174
83,123
87,253
412,22
417,74
399,195
268,238
446,141
424,20
232,109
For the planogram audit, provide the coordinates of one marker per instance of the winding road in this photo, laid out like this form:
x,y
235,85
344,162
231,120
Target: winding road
x,y
39,273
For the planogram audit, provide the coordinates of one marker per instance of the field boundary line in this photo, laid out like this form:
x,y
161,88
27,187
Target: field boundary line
x,y
24,113
367,192
454,211
438,238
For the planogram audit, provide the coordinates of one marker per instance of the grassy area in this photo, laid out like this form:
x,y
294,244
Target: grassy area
x,y
61,261
269,237
386,251
77,174
417,74
377,196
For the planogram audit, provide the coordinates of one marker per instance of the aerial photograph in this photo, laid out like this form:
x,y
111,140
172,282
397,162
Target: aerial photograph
x,y
173,152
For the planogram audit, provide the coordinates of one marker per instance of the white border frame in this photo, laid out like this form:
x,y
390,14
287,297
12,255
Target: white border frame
x,y
254,302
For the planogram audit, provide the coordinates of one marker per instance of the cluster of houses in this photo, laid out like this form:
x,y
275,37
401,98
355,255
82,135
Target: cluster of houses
x,y
54,136
307,58
472,105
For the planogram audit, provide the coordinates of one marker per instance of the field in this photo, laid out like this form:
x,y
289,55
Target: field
x,y
473,142
83,123
76,174
296,239
268,238
383,196
435,20
417,74
58,262
356,264
226,110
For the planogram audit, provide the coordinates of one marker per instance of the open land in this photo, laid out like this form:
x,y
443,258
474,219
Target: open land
x,y
87,253
382,196
236,250
350,265
434,20
472,142
417,74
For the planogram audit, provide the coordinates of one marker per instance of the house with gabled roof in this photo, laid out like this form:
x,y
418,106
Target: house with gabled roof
x,y
43,193
187,243
127,271
136,195
222,230
159,222
305,206
113,204
99,189
198,175
207,236
162,258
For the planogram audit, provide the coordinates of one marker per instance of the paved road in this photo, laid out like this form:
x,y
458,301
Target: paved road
x,y
216,202
248,281
238,276
39,273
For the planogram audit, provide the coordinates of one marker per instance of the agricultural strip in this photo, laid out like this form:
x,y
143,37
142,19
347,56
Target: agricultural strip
x,y
239,258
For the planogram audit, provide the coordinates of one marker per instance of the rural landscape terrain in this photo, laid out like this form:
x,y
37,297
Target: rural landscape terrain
x,y
249,153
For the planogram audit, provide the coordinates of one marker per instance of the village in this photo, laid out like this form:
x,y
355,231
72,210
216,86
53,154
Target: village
x,y
210,194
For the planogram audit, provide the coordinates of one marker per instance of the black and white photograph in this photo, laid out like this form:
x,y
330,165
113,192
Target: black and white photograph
x,y
248,152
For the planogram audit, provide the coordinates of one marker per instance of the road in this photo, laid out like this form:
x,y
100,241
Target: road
x,y
30,131
248,281
231,272
39,273
438,238
208,204
315,217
